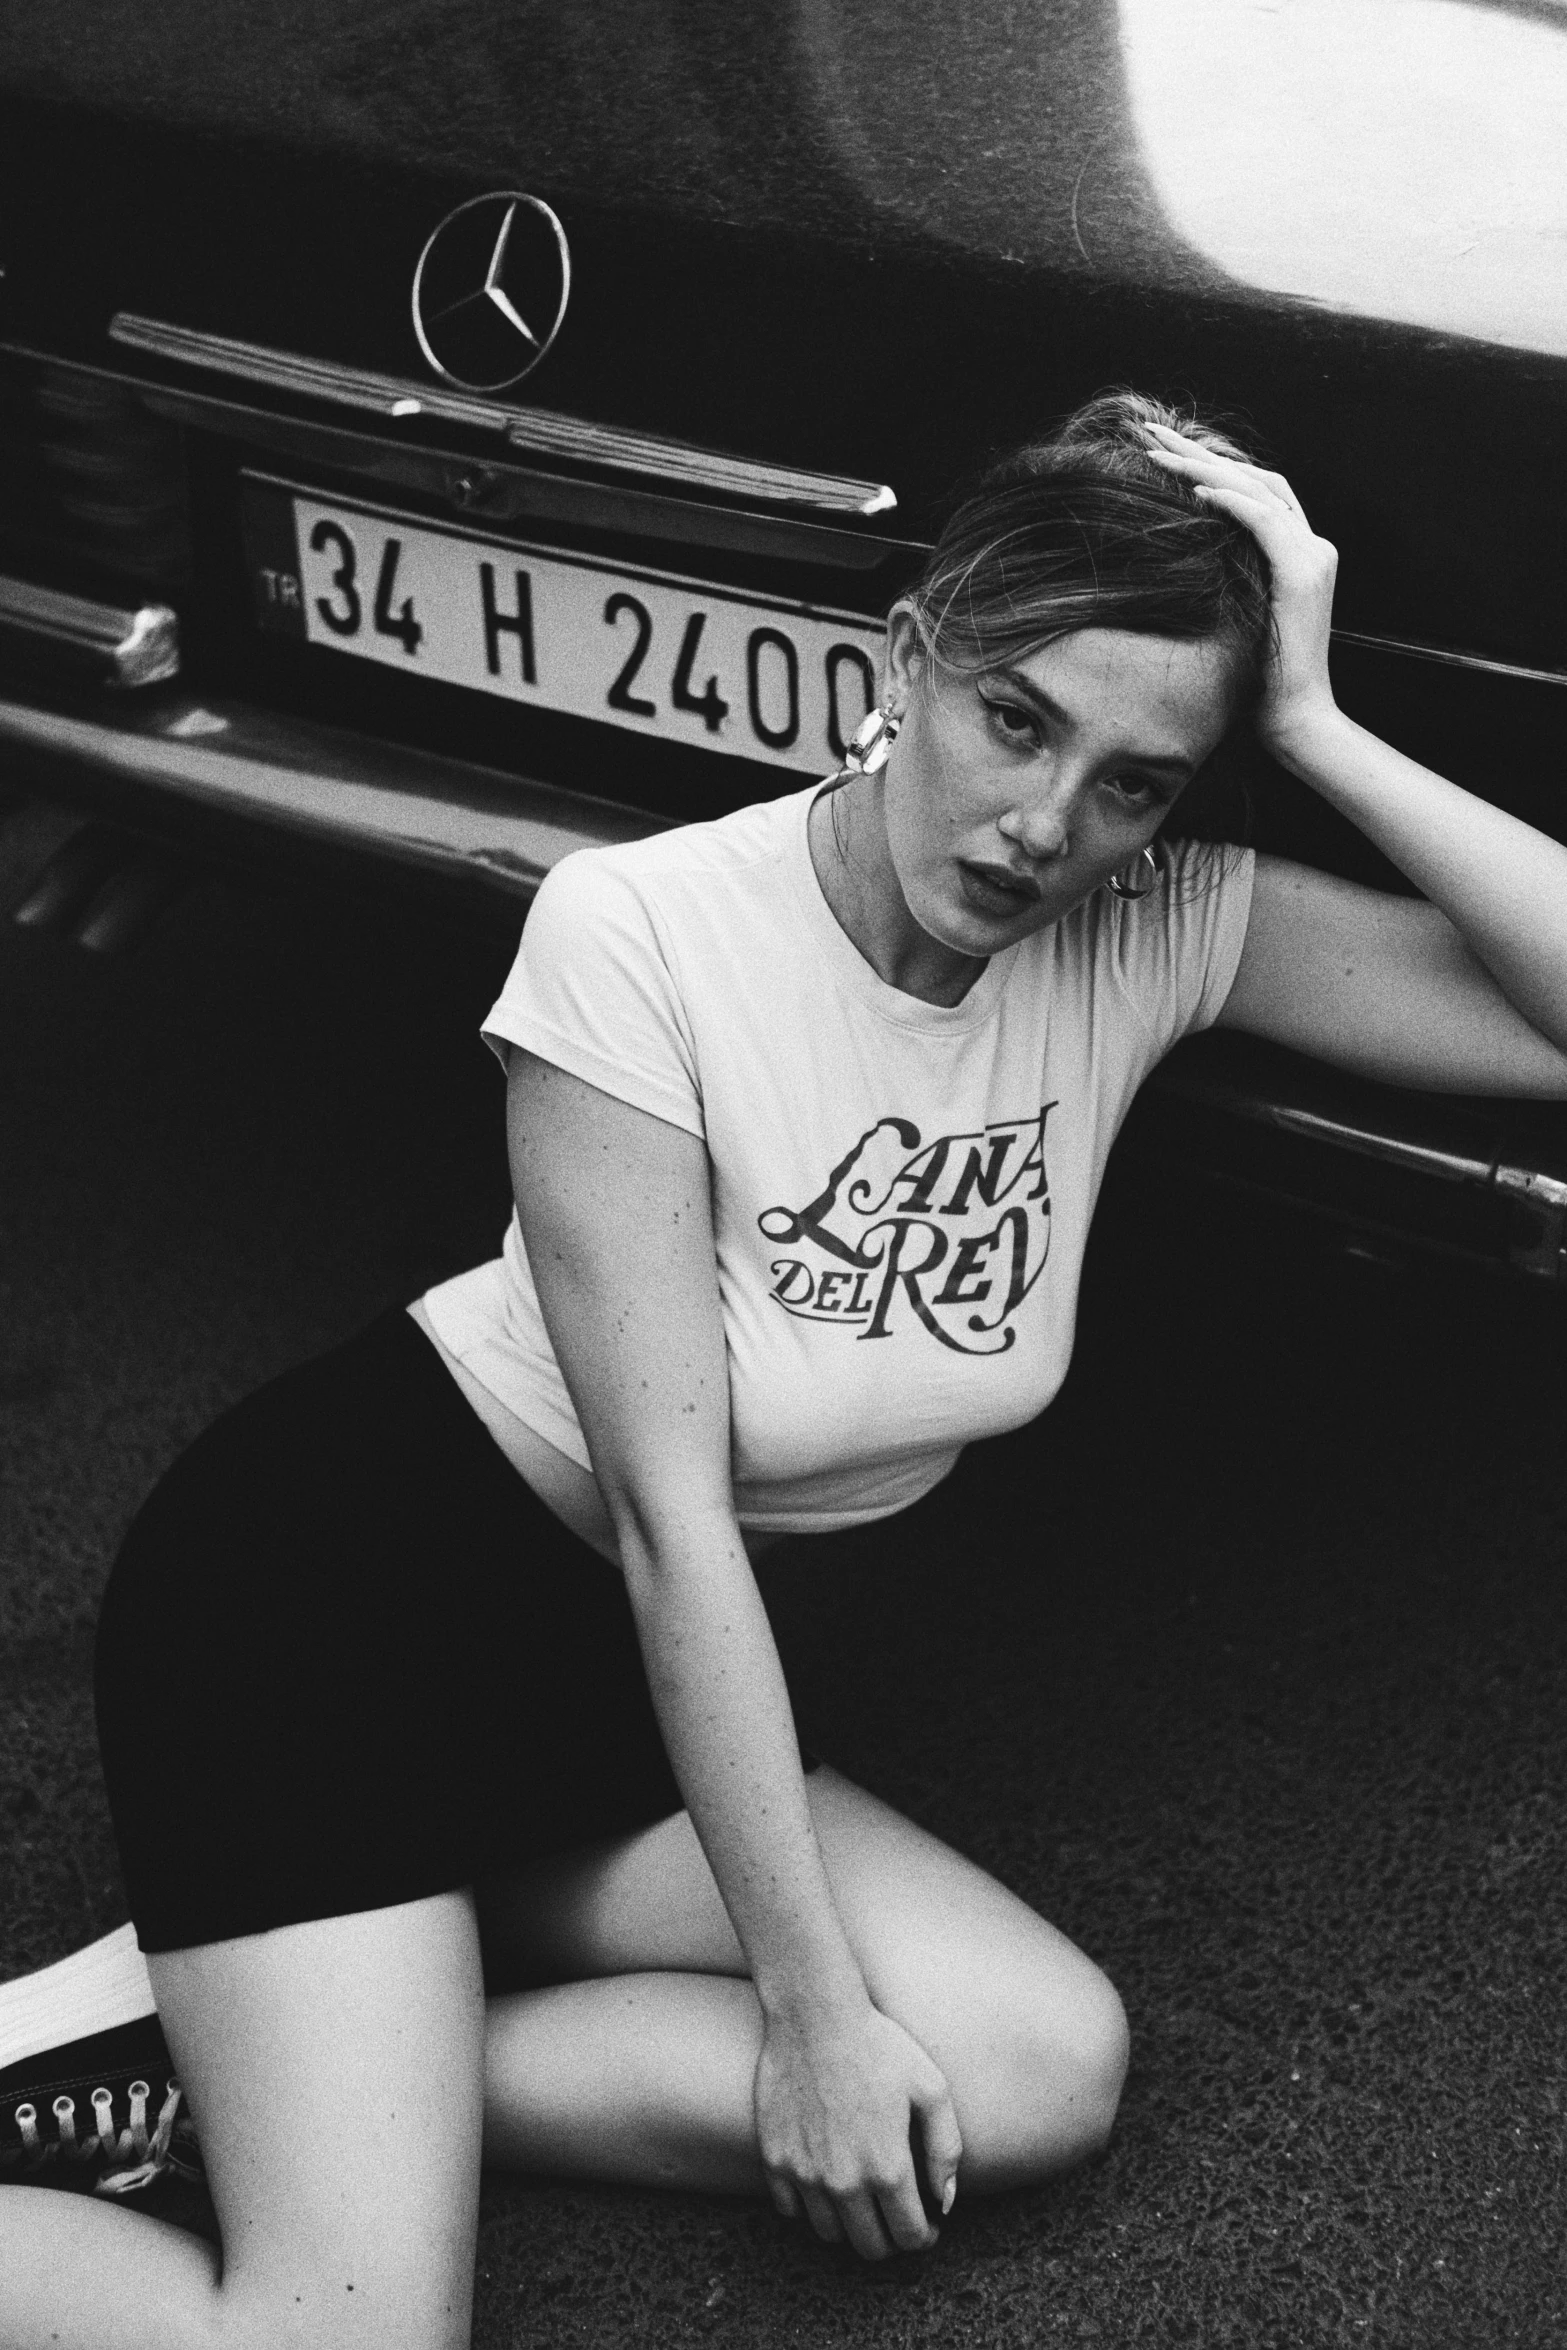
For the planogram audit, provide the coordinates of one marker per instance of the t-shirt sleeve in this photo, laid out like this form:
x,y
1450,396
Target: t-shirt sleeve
x,y
1178,949
592,991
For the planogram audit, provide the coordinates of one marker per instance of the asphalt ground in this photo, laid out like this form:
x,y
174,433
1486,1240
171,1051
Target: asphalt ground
x,y
1246,1664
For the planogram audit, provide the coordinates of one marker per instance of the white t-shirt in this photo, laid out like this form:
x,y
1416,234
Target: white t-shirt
x,y
901,1190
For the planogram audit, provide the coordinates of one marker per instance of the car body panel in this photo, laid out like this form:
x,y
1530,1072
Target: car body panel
x,y
868,240
879,237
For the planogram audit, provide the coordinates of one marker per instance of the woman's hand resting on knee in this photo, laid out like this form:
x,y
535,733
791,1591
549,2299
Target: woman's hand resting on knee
x,y
836,2094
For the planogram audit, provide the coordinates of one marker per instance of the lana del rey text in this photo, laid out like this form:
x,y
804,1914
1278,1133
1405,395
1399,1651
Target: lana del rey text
x,y
948,1235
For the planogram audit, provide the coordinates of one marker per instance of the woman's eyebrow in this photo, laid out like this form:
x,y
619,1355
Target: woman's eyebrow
x,y
1175,761
1038,696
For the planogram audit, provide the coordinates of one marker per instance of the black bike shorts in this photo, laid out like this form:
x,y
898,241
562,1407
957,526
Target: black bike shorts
x,y
348,1658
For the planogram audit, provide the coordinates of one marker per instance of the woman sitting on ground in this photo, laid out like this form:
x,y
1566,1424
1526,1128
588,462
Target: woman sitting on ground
x,y
807,1108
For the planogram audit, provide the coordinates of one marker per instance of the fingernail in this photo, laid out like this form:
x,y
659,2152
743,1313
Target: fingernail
x,y
949,2197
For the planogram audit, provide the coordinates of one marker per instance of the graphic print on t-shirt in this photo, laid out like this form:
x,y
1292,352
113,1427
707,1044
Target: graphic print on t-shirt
x,y
952,1233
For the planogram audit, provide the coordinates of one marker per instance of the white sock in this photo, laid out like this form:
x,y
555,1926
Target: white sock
x,y
91,1991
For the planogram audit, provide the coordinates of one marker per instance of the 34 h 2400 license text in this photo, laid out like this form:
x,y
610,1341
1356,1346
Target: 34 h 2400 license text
x,y
782,683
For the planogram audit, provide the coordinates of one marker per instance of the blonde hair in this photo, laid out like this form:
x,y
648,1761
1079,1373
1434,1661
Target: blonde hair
x,y
1083,529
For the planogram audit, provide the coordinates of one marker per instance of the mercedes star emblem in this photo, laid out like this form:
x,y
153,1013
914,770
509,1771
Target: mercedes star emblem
x,y
491,289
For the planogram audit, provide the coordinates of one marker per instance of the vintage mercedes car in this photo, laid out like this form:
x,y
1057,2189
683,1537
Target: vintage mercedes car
x,y
433,437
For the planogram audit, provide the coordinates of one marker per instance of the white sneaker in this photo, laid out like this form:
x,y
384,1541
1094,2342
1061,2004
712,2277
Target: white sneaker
x,y
97,2111
91,1991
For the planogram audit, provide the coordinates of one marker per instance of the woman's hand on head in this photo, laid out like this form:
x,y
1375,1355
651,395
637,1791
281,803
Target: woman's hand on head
x,y
1297,694
836,2095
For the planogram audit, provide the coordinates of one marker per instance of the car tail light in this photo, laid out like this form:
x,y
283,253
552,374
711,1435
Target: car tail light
x,y
92,485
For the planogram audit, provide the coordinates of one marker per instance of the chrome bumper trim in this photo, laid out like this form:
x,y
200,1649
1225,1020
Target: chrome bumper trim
x,y
544,433
1246,1092
119,647
439,815
1394,1150
541,431
1513,1153
505,489
1534,1185
1448,657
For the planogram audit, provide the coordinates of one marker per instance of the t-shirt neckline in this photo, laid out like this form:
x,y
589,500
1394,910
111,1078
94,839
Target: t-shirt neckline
x,y
850,968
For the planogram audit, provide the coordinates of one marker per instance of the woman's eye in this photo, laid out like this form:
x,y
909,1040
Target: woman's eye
x,y
1140,790
1012,720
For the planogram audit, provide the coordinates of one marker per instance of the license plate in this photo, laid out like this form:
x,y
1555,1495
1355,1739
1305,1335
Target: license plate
x,y
752,676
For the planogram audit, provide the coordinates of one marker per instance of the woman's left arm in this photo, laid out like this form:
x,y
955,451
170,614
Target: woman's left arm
x,y
1464,988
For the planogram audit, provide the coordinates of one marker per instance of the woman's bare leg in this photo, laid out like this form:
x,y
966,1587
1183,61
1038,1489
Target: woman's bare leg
x,y
335,2074
639,2070
641,2067
645,2079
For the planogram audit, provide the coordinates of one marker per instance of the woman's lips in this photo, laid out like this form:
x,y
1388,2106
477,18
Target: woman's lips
x,y
996,889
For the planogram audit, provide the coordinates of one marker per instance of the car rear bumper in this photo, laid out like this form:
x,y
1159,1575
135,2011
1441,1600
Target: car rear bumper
x,y
1481,1180
191,770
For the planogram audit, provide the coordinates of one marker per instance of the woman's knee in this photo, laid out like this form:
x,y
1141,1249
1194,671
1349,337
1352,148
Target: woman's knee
x,y
1043,2096
1031,2034
1087,2044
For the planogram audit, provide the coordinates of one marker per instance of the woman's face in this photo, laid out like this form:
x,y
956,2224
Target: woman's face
x,y
1012,795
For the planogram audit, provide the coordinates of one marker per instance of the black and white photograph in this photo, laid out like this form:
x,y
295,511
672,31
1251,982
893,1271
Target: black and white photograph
x,y
783,1175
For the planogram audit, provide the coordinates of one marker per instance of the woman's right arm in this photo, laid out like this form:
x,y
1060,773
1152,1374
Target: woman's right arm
x,y
616,1215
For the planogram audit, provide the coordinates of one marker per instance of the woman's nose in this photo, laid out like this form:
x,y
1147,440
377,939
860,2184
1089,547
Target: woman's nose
x,y
1041,829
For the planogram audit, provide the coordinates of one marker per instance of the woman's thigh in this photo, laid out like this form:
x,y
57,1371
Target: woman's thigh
x,y
335,2073
1029,2031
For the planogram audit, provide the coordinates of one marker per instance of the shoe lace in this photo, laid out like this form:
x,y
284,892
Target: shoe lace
x,y
132,2157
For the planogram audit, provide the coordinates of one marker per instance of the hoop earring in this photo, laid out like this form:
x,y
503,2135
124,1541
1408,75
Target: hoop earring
x,y
1120,887
869,746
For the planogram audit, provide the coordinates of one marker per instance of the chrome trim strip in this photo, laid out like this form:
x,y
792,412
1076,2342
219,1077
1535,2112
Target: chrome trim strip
x,y
1532,1183
546,434
539,430
314,379
508,492
125,648
439,815
1451,659
1246,1095
1392,1149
